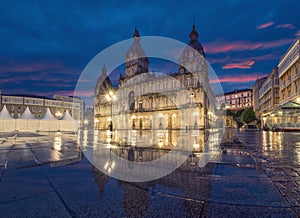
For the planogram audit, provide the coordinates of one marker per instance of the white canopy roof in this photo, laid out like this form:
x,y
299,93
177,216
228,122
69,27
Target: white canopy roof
x,y
27,115
48,115
67,116
4,114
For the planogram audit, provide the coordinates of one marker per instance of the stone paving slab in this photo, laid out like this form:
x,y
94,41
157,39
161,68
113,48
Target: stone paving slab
x,y
246,191
20,156
3,156
216,210
235,159
234,170
23,183
46,155
168,206
77,187
46,205
200,191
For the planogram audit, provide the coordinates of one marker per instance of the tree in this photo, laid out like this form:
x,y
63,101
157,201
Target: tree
x,y
248,116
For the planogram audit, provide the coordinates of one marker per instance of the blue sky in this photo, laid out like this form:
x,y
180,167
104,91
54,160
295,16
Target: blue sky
x,y
45,45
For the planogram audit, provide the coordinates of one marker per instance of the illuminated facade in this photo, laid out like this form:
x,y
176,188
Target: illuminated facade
x,y
289,74
255,93
236,100
32,113
279,95
16,105
269,95
147,100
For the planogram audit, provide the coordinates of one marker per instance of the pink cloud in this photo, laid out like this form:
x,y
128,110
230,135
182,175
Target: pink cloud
x,y
237,79
286,26
9,80
265,25
83,93
272,56
241,65
219,46
19,67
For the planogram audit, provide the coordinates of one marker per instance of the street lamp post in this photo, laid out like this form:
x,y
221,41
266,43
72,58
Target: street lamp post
x,y
110,97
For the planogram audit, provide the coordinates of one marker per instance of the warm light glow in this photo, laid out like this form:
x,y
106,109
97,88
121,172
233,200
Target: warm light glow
x,y
58,114
107,97
85,137
57,141
196,146
110,96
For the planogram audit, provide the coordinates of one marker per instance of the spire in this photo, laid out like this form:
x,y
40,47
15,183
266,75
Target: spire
x,y
136,33
194,33
104,70
136,59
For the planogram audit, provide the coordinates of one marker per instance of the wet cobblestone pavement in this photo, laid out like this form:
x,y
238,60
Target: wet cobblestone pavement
x,y
255,175
278,155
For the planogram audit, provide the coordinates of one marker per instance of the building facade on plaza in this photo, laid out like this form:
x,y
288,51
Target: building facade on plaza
x,y
32,113
235,100
279,95
149,100
268,95
255,95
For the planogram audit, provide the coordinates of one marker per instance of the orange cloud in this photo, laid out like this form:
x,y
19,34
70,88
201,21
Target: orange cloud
x,y
241,65
265,25
286,26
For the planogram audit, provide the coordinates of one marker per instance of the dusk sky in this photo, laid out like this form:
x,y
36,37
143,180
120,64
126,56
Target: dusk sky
x,y
45,45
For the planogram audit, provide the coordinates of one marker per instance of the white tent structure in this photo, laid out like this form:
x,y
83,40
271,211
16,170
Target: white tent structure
x,y
48,122
7,123
68,123
27,122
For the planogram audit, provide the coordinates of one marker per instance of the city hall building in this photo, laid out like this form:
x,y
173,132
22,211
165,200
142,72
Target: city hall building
x,y
147,100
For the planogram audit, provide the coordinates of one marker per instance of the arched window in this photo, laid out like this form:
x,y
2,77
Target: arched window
x,y
131,100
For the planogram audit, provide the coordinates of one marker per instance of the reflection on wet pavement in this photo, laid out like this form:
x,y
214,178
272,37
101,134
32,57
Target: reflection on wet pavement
x,y
255,174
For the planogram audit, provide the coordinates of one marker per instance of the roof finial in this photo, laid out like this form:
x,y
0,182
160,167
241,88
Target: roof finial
x,y
136,33
194,24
